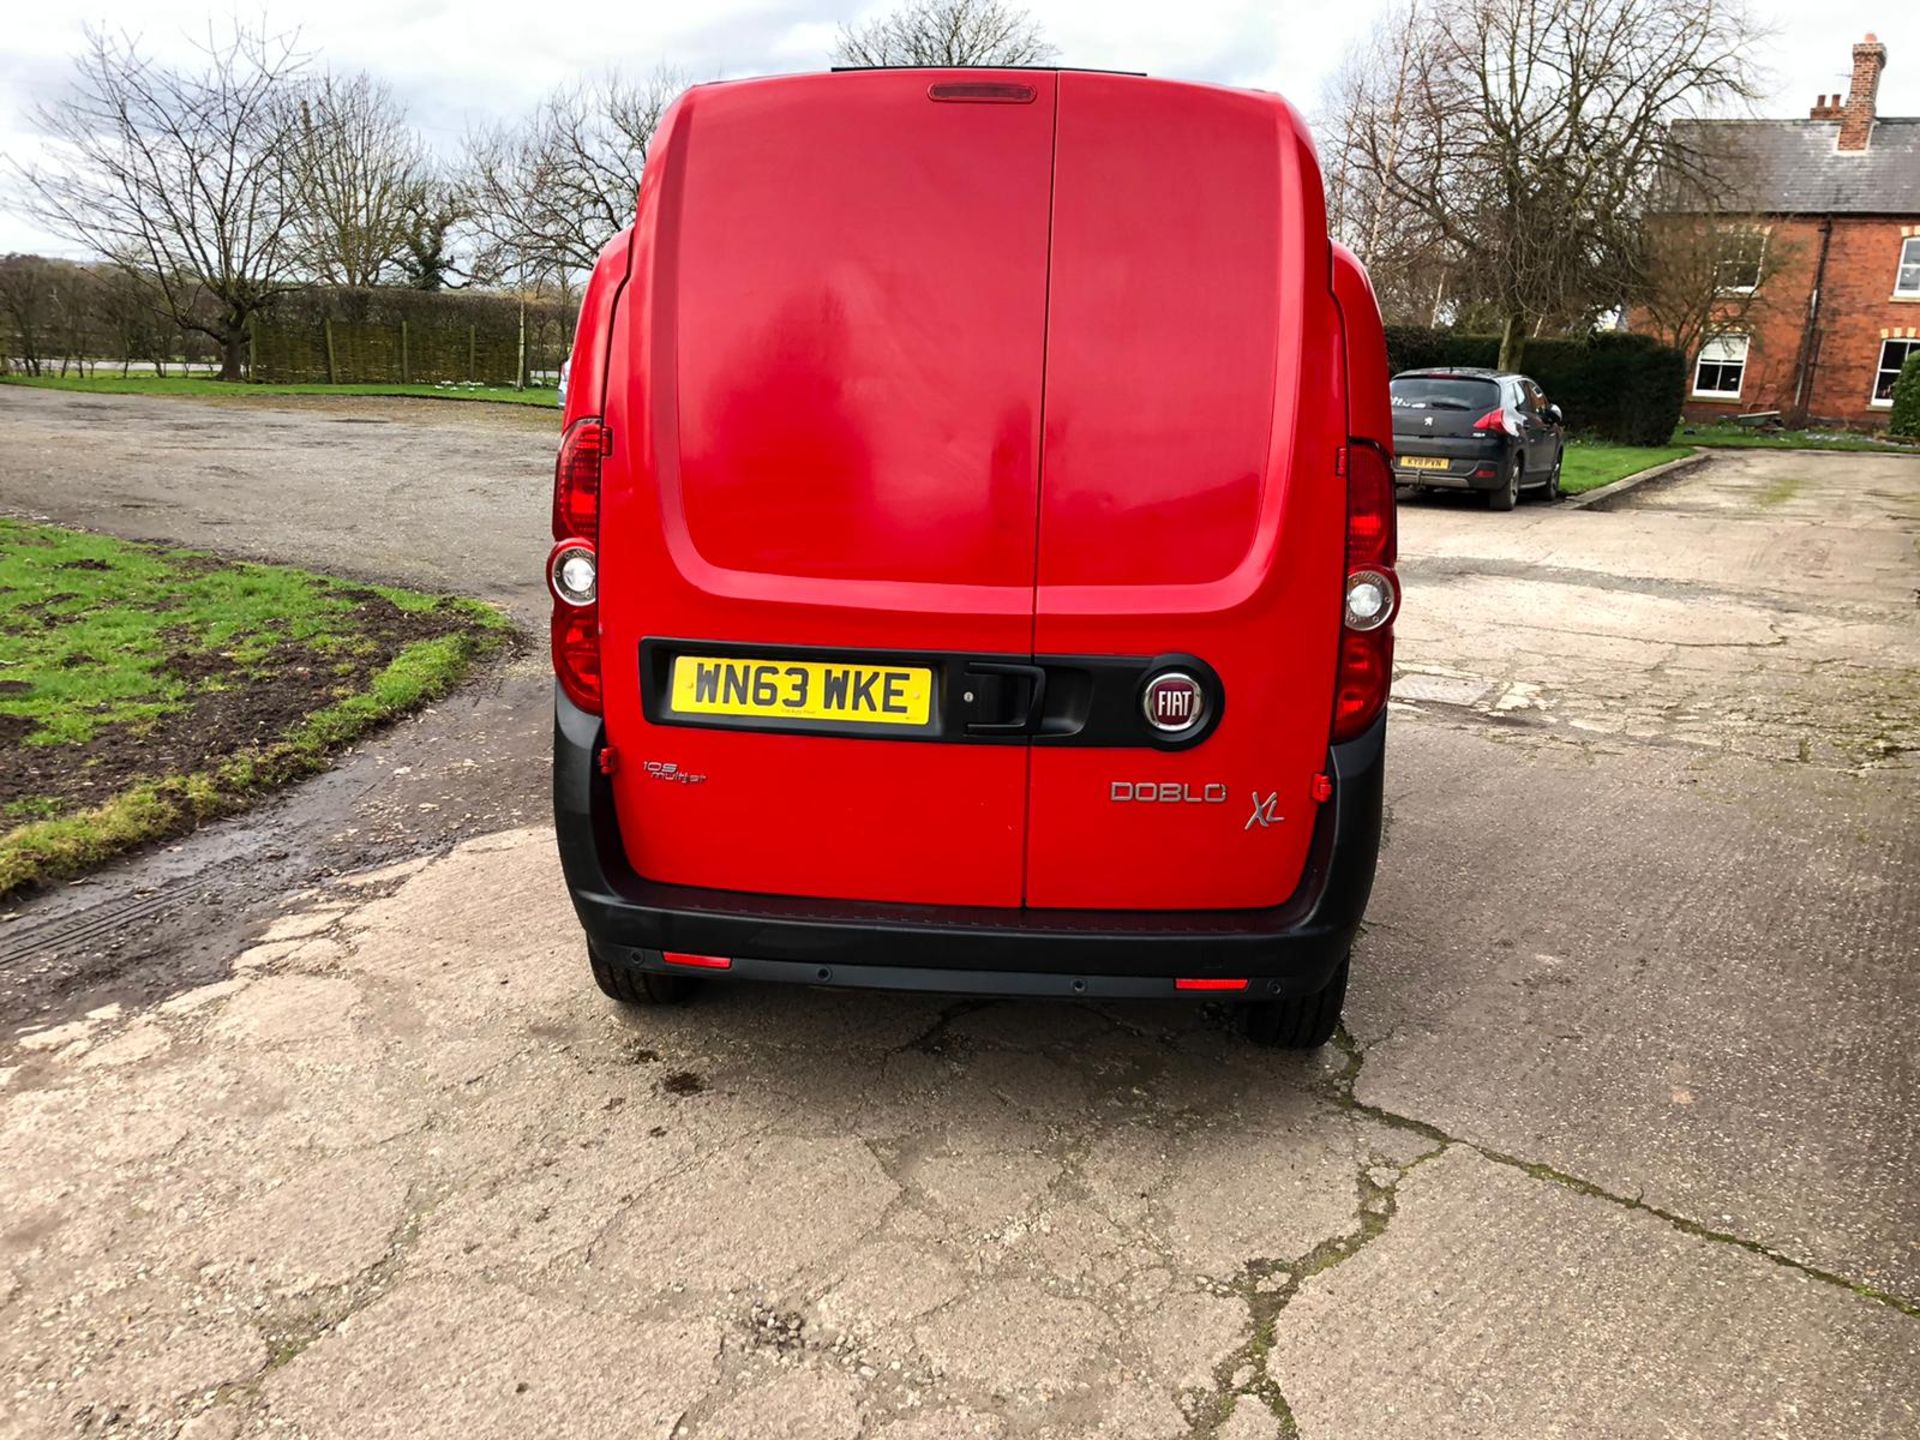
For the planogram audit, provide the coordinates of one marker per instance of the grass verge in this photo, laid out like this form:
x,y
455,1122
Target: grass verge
x,y
1738,437
144,690
199,385
1590,464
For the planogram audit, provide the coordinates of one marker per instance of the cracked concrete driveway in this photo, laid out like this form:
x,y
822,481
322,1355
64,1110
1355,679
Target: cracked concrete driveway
x,y
1619,1141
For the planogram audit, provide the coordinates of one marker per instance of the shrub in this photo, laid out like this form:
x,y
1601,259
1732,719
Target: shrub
x,y
1611,386
1905,420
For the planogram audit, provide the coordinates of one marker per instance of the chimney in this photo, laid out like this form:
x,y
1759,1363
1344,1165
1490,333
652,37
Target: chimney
x,y
1825,108
1856,116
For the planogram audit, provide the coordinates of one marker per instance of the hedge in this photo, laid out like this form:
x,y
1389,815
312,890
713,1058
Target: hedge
x,y
336,335
1611,386
1905,419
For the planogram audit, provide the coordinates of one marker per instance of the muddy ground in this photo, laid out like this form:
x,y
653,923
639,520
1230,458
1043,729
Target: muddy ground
x,y
1619,1142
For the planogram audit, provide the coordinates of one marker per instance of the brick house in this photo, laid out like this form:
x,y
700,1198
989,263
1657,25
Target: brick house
x,y
1819,278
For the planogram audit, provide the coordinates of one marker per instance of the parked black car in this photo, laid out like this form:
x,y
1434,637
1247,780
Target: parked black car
x,y
1465,429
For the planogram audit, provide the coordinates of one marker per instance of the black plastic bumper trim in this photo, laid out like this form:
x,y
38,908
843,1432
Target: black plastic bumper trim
x,y
1297,943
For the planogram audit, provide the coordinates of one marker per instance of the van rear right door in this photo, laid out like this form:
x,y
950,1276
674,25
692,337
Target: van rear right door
x,y
1190,498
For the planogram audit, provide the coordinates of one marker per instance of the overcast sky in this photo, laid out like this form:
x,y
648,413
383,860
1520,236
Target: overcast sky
x,y
458,63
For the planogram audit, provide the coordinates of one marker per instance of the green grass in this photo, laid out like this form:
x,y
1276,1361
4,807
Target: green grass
x,y
1591,464
1739,437
104,642
200,385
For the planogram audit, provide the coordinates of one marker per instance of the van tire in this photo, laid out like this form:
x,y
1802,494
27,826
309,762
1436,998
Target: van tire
x,y
631,985
1300,1022
1509,492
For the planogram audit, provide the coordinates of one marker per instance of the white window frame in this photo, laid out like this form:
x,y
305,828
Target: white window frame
x,y
1746,352
1880,368
1728,237
1908,247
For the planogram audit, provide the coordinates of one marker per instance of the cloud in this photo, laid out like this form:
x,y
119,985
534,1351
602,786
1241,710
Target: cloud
x,y
459,65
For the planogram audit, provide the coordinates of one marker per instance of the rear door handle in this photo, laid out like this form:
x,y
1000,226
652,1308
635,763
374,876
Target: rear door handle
x,y
1029,720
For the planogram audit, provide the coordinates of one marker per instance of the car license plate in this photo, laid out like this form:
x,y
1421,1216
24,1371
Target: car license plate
x,y
801,690
1424,462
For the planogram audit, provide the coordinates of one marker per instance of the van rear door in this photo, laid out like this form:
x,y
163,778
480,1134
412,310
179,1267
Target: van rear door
x,y
825,454
1190,498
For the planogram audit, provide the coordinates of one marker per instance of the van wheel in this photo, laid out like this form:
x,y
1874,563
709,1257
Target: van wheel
x,y
1508,495
1302,1022
631,985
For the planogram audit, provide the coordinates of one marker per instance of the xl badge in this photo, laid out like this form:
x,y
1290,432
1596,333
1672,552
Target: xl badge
x,y
1265,811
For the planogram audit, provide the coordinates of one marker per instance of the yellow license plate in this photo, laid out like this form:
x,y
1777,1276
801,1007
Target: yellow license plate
x,y
1424,462
801,690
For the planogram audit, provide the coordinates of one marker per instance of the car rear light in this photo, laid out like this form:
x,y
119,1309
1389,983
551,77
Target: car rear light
x,y
1496,419
572,573
1370,600
576,480
576,654
573,564
1372,594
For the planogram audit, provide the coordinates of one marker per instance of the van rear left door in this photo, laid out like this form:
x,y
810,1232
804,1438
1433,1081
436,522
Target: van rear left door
x,y
826,444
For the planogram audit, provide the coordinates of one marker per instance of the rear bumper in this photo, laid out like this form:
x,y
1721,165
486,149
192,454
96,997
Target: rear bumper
x,y
1463,457
1287,949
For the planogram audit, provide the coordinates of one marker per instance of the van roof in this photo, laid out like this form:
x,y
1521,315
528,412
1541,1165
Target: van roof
x,y
1051,69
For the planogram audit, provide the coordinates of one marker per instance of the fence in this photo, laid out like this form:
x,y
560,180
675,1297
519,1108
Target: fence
x,y
381,337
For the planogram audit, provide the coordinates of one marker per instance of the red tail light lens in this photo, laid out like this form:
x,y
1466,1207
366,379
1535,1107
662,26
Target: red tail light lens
x,y
576,481
1366,632
576,653
1495,419
1366,673
576,520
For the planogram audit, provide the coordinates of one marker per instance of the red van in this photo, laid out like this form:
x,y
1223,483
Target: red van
x,y
975,543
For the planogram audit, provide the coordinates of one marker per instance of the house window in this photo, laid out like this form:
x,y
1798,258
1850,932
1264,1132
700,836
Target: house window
x,y
1737,267
1906,280
1893,354
1722,364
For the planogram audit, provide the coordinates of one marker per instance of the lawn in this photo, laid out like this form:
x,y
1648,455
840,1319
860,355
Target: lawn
x,y
1591,464
145,689
1739,437
202,386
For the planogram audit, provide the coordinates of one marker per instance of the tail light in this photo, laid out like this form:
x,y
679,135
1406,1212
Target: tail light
x,y
1496,419
576,481
573,565
1372,594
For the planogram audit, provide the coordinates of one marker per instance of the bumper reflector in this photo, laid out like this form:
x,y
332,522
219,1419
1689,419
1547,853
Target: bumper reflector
x,y
1204,984
697,962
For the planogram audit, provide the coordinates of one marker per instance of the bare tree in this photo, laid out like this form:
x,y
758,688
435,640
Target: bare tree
x,y
180,174
1699,274
946,33
358,175
26,308
76,305
128,306
1413,265
1532,134
547,195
